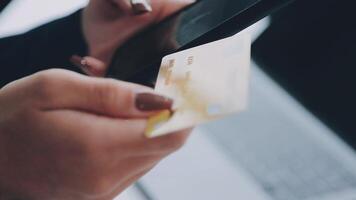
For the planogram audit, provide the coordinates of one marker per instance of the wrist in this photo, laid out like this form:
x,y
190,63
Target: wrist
x,y
100,35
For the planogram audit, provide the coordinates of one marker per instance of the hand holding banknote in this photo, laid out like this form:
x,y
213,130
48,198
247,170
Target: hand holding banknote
x,y
69,136
72,137
207,82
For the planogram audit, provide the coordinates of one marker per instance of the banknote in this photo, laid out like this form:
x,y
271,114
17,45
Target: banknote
x,y
206,83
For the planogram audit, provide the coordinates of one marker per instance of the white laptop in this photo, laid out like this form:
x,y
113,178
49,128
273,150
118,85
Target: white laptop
x,y
275,151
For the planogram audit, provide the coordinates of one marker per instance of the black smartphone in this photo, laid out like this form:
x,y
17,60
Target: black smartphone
x,y
138,60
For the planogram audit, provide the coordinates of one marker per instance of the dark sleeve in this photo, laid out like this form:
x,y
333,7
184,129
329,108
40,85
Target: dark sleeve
x,y
48,46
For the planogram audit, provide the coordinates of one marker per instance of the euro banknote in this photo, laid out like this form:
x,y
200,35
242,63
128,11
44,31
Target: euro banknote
x,y
207,82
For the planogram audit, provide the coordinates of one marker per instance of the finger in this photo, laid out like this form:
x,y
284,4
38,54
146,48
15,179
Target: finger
x,y
100,131
136,7
79,134
129,182
141,6
90,65
60,89
105,141
170,142
160,9
169,7
123,186
137,143
95,66
164,145
130,167
123,6
118,137
140,168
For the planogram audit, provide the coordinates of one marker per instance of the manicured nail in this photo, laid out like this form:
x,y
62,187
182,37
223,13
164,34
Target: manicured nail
x,y
82,64
141,6
152,102
76,60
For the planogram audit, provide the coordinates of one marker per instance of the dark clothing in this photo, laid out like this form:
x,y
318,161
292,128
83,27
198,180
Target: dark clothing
x,y
48,46
310,49
3,4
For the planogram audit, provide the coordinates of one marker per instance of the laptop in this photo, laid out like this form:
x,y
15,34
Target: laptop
x,y
277,150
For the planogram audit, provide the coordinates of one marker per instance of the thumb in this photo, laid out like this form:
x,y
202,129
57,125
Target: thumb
x,y
169,7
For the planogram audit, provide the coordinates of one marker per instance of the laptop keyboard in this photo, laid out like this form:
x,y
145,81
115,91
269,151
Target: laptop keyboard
x,y
288,166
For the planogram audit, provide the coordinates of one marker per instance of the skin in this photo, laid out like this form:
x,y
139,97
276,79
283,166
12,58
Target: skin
x,y
83,144
69,136
107,24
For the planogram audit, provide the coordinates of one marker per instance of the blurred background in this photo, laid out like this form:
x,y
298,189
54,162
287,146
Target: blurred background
x,y
297,139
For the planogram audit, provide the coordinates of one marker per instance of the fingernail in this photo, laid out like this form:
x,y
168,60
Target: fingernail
x,y
84,62
141,6
81,63
152,102
76,60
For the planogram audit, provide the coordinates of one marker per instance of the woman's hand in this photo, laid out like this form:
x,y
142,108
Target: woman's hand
x,y
68,136
107,24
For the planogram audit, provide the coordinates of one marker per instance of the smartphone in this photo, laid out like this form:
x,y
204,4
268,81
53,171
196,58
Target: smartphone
x,y
138,60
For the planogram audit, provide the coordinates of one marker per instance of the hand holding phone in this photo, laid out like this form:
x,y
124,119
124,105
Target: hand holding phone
x,y
138,59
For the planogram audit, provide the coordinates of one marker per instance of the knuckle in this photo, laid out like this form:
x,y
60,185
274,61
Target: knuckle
x,y
104,93
110,96
46,83
43,85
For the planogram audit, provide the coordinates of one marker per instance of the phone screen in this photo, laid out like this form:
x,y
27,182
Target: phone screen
x,y
138,60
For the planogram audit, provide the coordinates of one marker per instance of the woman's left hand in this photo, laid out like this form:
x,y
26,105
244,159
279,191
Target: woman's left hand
x,y
107,24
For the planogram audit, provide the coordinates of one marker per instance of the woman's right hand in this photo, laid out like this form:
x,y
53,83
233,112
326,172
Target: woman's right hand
x,y
68,136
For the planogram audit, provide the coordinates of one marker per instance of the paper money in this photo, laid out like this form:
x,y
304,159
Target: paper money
x,y
206,82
